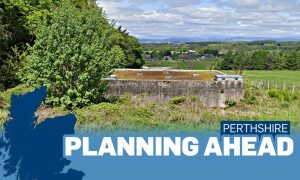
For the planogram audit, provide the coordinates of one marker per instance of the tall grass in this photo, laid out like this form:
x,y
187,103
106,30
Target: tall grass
x,y
180,114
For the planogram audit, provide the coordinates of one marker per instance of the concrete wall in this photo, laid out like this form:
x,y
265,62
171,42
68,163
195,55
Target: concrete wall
x,y
213,94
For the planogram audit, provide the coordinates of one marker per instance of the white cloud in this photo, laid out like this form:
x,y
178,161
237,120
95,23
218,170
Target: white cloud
x,y
206,18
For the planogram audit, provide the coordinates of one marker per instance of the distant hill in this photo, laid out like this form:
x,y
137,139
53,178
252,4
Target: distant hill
x,y
213,39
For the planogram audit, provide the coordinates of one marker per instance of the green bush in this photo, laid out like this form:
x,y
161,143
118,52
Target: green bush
x,y
230,102
143,113
250,97
14,36
285,104
178,100
109,109
71,55
297,95
194,99
273,93
283,95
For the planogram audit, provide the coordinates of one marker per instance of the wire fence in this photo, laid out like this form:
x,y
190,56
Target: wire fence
x,y
269,85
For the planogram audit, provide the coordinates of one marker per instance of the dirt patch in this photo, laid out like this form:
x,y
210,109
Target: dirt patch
x,y
46,112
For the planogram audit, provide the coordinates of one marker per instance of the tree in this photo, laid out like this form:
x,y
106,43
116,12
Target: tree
x,y
240,62
258,61
13,37
72,53
18,20
279,62
293,60
132,49
227,63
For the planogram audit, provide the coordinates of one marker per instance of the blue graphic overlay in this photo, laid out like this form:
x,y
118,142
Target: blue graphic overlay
x,y
255,128
33,150
184,167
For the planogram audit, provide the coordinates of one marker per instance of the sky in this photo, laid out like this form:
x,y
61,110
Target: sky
x,y
162,19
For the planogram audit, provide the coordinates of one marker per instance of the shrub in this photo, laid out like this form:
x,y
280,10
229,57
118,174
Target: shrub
x,y
230,102
285,104
178,100
194,99
14,35
124,99
71,55
282,95
250,97
109,109
297,95
143,113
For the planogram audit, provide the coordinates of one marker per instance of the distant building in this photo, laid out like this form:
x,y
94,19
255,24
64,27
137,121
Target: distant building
x,y
192,51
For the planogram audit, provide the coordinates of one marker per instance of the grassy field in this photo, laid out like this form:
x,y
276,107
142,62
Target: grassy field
x,y
192,65
274,76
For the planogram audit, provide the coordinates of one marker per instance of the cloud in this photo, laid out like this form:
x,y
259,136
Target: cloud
x,y
206,18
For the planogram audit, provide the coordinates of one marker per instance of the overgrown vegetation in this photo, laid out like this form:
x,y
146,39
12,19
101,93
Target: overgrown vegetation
x,y
180,114
72,59
68,46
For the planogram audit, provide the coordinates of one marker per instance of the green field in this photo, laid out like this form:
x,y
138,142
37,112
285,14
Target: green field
x,y
193,65
280,77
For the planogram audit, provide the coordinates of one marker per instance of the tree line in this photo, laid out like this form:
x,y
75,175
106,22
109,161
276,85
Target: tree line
x,y
261,60
68,46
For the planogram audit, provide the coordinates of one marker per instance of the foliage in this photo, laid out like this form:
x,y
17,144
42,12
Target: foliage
x,y
262,60
123,114
178,100
186,116
143,113
132,49
238,56
230,102
18,19
285,104
71,55
6,96
282,95
13,39
250,97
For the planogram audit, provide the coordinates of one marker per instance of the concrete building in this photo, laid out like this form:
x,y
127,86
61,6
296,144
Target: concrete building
x,y
162,85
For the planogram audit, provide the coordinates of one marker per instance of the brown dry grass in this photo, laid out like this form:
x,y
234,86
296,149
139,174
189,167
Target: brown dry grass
x,y
165,75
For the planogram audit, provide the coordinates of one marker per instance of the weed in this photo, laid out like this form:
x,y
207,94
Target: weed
x,y
178,100
230,102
